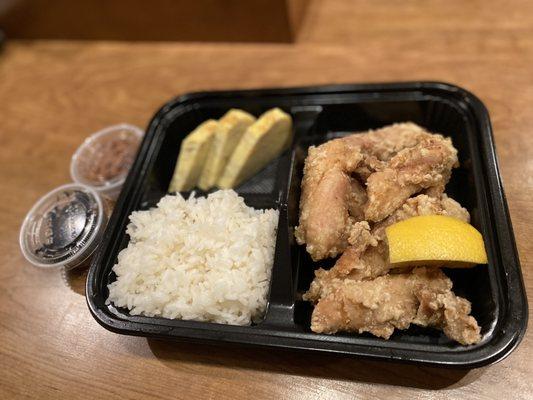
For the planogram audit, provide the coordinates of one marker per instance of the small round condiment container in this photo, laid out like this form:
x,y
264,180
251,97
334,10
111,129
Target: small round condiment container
x,y
64,227
104,159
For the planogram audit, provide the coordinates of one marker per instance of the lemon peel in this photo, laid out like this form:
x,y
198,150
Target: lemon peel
x,y
435,240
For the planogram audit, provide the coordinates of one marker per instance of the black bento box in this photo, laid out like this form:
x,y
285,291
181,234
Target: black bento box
x,y
321,113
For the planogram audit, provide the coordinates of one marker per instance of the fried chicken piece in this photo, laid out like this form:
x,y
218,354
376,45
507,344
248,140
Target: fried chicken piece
x,y
378,146
329,219
326,194
452,208
411,170
361,236
354,265
368,255
422,205
437,190
331,199
448,312
360,264
321,286
382,144
422,297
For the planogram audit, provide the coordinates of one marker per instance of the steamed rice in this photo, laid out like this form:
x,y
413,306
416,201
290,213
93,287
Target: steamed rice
x,y
203,259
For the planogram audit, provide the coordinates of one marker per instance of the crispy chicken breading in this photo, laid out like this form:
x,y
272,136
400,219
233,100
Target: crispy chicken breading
x,y
411,170
382,144
422,297
355,265
352,189
326,193
422,205
332,198
368,256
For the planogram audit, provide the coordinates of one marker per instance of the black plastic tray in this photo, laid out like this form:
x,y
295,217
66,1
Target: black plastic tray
x,y
320,113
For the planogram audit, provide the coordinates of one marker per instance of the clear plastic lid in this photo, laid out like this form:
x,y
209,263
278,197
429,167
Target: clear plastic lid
x,y
104,159
64,227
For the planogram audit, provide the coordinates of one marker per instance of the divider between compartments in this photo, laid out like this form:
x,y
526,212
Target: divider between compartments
x,y
281,300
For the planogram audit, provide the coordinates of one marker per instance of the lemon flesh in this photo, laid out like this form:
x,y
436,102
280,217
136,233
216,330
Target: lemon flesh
x,y
435,240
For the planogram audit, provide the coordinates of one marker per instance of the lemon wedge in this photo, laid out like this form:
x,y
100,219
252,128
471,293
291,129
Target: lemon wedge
x,y
436,240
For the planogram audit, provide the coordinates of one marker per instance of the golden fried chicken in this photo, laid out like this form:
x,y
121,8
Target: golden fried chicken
x,y
352,189
422,205
355,265
382,144
368,255
332,198
422,297
326,192
426,165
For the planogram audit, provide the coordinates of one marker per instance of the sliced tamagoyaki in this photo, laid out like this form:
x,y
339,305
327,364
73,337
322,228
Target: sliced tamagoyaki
x,y
230,129
263,141
192,156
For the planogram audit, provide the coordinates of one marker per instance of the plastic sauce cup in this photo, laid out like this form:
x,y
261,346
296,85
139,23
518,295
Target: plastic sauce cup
x,y
104,159
64,227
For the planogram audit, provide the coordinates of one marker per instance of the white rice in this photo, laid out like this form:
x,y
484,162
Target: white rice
x,y
203,259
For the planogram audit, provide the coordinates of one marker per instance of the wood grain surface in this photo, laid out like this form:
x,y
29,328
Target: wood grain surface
x,y
53,94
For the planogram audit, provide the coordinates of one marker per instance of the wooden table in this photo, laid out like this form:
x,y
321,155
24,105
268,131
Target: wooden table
x,y
53,94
